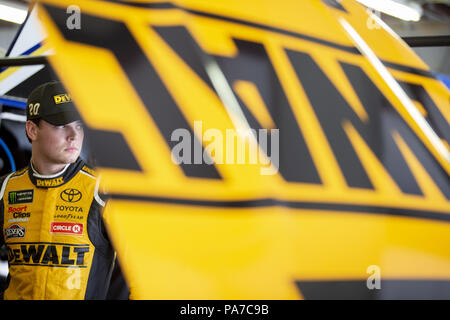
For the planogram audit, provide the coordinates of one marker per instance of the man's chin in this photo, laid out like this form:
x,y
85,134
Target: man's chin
x,y
70,159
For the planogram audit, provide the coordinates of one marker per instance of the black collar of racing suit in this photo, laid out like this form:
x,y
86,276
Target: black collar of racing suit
x,y
57,180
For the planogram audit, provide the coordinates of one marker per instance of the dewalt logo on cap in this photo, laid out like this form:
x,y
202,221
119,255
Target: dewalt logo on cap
x,y
62,98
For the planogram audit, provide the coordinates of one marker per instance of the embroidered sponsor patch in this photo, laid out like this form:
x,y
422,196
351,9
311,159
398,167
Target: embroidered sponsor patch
x,y
21,196
14,231
66,228
62,98
71,195
19,214
50,182
17,209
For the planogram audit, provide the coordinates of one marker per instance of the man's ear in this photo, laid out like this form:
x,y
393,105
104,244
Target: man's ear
x,y
32,130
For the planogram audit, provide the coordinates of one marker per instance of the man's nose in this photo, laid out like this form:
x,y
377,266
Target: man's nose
x,y
71,133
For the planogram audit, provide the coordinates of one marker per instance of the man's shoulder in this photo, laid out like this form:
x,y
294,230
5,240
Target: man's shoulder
x,y
2,180
5,178
81,166
8,176
20,172
89,170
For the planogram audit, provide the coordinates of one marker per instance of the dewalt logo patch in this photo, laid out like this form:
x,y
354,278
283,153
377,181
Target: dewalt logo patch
x,y
62,98
49,182
44,254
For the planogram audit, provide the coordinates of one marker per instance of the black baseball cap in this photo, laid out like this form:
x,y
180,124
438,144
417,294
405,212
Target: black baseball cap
x,y
51,102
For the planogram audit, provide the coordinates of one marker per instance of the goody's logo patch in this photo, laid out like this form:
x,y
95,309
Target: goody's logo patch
x,y
14,231
71,195
66,228
21,196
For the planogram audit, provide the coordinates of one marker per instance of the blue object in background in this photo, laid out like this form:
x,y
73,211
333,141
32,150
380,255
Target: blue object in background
x,y
8,154
13,103
445,79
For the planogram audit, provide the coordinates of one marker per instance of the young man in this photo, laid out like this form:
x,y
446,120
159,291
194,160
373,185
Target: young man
x,y
50,211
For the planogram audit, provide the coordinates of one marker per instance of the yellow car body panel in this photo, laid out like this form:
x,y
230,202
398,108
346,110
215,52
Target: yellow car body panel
x,y
360,183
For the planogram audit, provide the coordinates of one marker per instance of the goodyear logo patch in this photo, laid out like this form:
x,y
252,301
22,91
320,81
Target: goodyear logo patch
x,y
22,196
62,98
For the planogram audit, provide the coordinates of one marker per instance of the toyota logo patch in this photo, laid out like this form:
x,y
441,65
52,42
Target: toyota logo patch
x,y
71,195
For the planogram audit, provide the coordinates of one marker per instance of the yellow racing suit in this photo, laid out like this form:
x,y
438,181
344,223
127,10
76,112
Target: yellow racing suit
x,y
53,229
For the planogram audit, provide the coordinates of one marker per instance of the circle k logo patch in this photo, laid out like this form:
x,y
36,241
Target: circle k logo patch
x,y
66,228
70,195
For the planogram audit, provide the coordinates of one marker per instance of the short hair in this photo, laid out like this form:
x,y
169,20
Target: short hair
x,y
36,122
